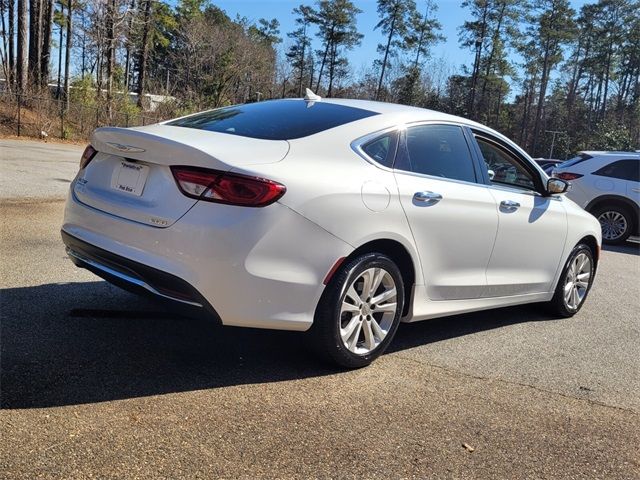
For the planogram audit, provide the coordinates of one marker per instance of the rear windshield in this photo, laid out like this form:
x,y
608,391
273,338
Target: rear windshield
x,y
274,119
575,160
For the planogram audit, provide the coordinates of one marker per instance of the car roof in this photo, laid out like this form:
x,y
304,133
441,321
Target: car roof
x,y
401,110
602,153
393,114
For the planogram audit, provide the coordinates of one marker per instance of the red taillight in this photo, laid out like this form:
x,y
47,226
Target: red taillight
x,y
87,156
568,176
225,187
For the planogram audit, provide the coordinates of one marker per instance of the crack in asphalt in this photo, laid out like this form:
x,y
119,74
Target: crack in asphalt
x,y
452,371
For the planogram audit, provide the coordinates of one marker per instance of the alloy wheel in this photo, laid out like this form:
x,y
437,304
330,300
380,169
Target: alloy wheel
x,y
367,311
614,224
577,281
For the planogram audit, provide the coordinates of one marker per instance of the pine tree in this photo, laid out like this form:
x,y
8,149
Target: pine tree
x,y
395,17
299,50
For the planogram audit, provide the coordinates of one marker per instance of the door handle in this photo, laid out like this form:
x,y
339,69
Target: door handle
x,y
429,198
509,205
637,190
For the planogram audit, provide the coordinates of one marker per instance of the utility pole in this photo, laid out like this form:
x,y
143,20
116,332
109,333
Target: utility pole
x,y
553,140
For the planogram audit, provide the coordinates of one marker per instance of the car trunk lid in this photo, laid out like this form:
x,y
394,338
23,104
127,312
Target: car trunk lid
x,y
130,176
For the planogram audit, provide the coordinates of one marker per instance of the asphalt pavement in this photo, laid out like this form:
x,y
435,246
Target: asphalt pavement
x,y
98,383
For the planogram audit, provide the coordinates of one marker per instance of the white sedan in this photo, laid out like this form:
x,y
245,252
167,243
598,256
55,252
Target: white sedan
x,y
341,217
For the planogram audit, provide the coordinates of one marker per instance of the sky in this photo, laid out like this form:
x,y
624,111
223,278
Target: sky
x,y
450,14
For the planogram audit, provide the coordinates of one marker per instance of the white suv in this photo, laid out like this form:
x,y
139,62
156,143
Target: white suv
x,y
607,185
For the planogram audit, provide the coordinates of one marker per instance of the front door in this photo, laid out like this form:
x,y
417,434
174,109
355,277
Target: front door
x,y
452,217
532,227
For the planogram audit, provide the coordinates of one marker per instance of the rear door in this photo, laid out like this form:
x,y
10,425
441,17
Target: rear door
x,y
532,228
452,217
130,176
622,177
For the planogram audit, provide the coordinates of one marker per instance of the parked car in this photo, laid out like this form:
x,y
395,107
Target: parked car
x,y
547,164
340,217
607,184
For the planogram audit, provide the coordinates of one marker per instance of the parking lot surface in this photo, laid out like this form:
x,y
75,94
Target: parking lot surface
x,y
98,383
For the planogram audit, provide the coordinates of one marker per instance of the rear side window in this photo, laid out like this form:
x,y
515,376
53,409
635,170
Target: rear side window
x,y
437,150
274,119
382,149
623,169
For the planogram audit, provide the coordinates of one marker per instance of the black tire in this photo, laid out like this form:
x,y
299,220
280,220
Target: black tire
x,y
558,305
615,209
325,332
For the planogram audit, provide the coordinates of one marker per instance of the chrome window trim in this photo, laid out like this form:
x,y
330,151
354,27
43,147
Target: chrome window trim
x,y
356,146
441,179
358,143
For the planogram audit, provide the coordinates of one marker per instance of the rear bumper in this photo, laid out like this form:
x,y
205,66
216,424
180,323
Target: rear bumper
x,y
260,268
134,276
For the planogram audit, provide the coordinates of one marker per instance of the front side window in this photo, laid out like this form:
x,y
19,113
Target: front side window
x,y
439,151
623,169
504,168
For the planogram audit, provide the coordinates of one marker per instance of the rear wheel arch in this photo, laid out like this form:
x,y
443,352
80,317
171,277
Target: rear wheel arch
x,y
623,206
616,200
397,252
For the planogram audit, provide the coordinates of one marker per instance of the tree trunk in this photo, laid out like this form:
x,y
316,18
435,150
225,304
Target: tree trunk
x,y
46,43
423,29
144,52
4,51
304,45
386,52
58,90
127,59
35,40
606,80
495,38
111,50
324,60
84,46
541,96
332,66
476,61
8,34
67,51
21,63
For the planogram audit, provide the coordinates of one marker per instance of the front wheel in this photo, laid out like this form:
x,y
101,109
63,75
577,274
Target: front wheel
x,y
574,283
360,310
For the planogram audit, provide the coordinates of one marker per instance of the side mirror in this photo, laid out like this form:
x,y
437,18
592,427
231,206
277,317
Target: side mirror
x,y
491,174
557,186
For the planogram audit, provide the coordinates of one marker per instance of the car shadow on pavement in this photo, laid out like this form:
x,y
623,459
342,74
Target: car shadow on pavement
x,y
630,248
76,343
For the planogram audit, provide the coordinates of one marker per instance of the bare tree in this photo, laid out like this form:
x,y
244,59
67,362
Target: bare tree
x,y
46,42
22,46
67,50
143,55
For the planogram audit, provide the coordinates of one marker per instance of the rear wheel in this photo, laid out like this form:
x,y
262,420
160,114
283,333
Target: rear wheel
x,y
360,310
616,222
575,282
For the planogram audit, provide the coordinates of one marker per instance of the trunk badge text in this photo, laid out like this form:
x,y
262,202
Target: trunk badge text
x,y
125,148
159,222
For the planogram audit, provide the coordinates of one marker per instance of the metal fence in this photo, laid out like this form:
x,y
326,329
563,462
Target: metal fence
x,y
46,116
